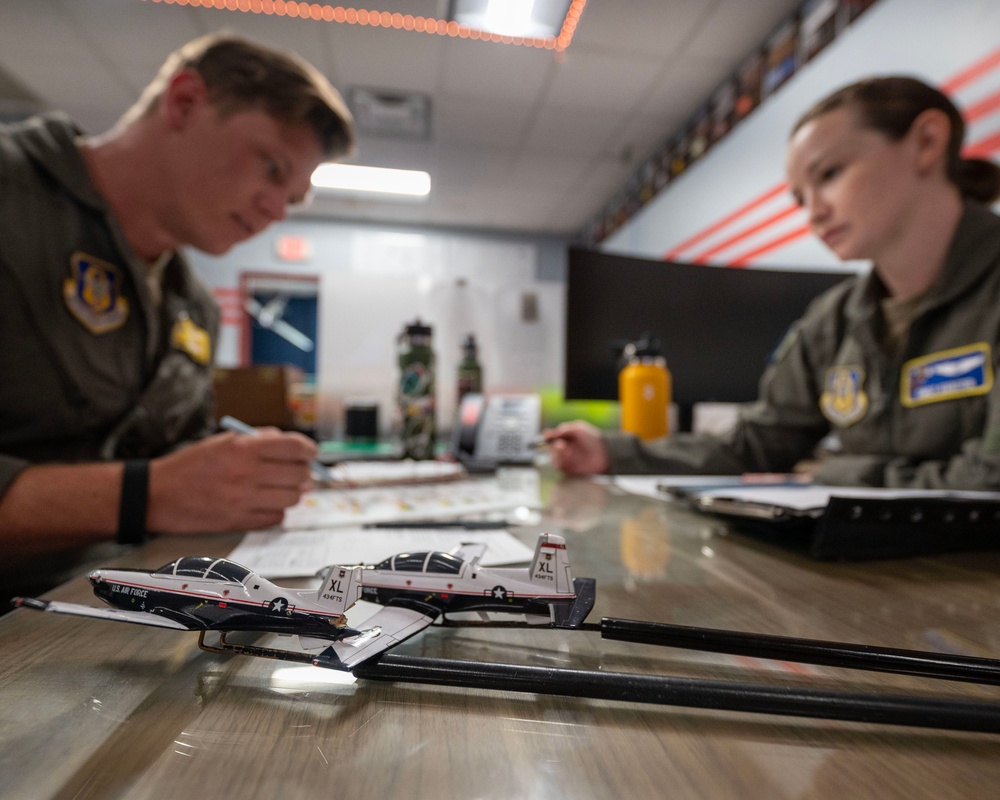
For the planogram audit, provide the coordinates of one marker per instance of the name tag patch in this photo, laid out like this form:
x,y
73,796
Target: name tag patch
x,y
844,400
947,375
93,293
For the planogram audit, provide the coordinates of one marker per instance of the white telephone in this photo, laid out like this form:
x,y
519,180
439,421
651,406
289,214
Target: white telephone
x,y
495,430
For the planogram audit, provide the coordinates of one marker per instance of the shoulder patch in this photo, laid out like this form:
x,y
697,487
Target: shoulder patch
x,y
191,339
844,400
947,375
782,348
93,293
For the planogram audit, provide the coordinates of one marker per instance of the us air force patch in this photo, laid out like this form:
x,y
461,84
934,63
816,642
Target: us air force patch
x,y
93,293
191,339
844,400
946,375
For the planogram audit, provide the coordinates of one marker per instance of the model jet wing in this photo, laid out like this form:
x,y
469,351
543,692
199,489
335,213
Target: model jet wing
x,y
77,610
469,551
386,629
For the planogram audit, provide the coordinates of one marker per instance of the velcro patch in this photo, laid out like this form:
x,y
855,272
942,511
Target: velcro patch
x,y
949,374
844,400
93,293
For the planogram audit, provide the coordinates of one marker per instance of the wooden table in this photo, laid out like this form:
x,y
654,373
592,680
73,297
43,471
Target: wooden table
x,y
90,709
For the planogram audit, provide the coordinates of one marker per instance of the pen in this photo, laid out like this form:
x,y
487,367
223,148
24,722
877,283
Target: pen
x,y
320,472
542,441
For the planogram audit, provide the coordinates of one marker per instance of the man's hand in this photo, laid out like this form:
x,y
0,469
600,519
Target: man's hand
x,y
576,448
229,482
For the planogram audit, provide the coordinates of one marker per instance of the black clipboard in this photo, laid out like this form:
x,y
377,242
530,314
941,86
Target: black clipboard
x,y
862,527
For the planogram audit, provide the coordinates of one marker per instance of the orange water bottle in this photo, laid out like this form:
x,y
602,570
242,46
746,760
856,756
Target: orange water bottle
x,y
644,388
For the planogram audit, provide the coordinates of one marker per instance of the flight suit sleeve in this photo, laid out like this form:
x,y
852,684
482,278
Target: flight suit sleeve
x,y
770,435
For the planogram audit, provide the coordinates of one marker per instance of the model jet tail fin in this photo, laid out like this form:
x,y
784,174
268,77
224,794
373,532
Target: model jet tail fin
x,y
550,566
340,589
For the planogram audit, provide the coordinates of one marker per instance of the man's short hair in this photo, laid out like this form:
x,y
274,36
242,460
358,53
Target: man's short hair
x,y
241,74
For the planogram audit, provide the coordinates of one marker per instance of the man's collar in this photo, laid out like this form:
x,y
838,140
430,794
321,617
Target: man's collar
x,y
50,140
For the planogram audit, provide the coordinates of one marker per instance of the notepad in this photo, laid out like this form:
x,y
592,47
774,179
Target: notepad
x,y
330,508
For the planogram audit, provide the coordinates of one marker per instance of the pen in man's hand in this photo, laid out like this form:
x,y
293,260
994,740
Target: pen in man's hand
x,y
545,441
320,472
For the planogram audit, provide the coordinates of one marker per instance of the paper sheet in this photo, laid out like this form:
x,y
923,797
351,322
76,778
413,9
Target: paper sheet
x,y
294,554
646,485
327,508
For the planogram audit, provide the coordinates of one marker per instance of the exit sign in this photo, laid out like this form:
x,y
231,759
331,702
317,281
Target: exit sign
x,y
292,248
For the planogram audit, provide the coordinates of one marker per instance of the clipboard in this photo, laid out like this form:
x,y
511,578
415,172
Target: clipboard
x,y
854,524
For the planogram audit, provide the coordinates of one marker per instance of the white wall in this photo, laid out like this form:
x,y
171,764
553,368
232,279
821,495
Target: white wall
x,y
929,39
373,280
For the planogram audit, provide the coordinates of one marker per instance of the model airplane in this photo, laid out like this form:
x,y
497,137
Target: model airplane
x,y
215,594
417,588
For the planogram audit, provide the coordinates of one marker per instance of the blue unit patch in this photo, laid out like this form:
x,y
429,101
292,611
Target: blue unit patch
x,y
93,293
844,400
959,372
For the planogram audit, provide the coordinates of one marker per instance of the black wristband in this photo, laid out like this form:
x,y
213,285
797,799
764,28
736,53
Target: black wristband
x,y
135,495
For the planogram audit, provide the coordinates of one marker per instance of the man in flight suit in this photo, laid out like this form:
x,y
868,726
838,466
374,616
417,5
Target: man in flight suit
x,y
108,337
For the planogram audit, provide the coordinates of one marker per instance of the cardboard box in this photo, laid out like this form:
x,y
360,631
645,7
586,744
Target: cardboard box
x,y
257,395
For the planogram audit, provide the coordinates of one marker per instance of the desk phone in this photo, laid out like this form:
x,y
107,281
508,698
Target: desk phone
x,y
497,430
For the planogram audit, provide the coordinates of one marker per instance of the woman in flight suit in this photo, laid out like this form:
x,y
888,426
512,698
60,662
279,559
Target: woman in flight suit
x,y
900,362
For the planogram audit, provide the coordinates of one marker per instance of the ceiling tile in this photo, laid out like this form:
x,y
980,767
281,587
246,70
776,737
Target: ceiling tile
x,y
507,73
383,59
551,171
483,121
656,29
612,84
565,129
736,27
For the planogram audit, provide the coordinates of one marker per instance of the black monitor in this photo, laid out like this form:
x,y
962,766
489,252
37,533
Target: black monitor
x,y
717,325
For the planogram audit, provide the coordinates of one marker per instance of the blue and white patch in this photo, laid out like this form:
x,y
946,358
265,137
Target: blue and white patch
x,y
844,400
947,375
93,293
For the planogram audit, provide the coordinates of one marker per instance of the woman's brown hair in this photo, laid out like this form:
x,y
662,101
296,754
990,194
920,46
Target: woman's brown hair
x,y
891,104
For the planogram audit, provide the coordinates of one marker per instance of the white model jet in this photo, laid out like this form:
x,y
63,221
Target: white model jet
x,y
215,594
417,588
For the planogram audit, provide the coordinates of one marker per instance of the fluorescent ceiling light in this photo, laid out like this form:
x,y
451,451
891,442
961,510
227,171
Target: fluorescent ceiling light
x,y
509,17
518,18
352,178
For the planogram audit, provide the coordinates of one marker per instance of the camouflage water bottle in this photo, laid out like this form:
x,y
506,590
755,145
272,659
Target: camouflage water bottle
x,y
416,391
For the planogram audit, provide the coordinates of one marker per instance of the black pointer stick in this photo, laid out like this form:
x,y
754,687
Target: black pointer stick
x,y
693,693
807,651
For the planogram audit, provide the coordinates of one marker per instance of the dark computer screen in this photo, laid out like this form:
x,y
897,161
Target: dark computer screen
x,y
717,325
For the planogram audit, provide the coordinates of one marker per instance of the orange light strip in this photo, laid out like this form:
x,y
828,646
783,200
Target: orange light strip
x,y
386,19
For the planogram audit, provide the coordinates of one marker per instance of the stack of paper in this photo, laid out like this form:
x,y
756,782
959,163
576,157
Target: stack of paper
x,y
325,508
393,473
